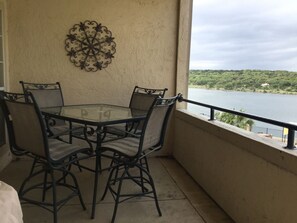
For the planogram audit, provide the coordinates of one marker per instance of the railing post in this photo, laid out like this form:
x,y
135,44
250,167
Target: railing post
x,y
292,127
211,114
291,139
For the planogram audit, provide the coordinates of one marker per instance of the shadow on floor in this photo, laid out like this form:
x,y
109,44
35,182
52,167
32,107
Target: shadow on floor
x,y
181,199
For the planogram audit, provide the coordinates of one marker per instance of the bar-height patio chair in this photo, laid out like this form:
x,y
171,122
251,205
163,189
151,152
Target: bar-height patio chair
x,y
132,149
141,99
50,95
27,133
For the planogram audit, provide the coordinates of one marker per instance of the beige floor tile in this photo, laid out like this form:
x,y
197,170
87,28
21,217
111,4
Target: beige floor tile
x,y
180,198
204,205
146,212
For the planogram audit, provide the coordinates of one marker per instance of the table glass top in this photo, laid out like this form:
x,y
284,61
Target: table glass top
x,y
95,113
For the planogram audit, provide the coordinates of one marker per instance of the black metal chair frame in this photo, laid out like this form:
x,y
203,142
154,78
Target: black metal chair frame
x,y
123,163
141,92
42,156
51,123
147,91
132,128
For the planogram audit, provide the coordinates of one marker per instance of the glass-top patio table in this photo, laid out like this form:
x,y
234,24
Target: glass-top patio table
x,y
98,115
95,114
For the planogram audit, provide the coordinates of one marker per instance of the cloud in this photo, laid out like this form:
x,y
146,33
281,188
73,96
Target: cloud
x,y
244,34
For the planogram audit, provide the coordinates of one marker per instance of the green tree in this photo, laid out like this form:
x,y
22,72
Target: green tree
x,y
245,80
236,120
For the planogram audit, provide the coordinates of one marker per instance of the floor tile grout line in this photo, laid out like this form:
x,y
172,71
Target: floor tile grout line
x,y
186,197
201,188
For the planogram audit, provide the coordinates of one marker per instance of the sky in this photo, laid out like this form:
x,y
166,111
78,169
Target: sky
x,y
244,34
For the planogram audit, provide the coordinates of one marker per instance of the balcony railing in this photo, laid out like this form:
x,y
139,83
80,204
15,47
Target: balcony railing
x,y
291,127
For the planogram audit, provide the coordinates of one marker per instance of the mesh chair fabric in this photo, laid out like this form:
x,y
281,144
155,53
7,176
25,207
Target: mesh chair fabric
x,y
132,154
127,146
27,132
142,101
26,127
59,150
48,95
143,98
153,130
47,98
152,134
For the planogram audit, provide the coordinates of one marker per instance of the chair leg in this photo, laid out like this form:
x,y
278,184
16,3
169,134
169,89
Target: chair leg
x,y
22,190
78,190
145,176
76,163
107,184
33,165
118,194
49,181
153,189
117,168
141,183
44,185
70,138
97,171
146,164
55,208
112,161
141,176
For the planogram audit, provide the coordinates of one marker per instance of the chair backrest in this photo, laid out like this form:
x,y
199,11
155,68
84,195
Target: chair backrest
x,y
142,98
154,128
26,129
45,94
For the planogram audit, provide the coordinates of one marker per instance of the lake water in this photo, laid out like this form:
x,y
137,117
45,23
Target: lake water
x,y
279,107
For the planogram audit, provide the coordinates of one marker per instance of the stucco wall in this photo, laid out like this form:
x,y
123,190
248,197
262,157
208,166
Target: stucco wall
x,y
251,178
145,32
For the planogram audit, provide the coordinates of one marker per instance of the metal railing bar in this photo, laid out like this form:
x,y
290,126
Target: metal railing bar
x,y
291,127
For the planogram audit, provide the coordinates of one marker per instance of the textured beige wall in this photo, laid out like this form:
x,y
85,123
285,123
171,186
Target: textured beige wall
x,y
144,30
251,178
183,52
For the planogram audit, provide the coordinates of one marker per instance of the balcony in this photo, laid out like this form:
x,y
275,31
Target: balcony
x,y
215,171
251,177
181,199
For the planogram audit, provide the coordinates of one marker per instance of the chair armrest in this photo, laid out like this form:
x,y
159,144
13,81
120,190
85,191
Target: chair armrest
x,y
67,132
126,133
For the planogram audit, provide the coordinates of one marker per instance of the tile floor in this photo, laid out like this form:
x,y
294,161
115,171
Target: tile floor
x,y
180,198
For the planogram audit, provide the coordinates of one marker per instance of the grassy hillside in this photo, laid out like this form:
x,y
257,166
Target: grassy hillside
x,y
284,82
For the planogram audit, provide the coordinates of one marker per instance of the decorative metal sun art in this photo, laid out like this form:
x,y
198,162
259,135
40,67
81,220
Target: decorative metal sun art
x,y
90,46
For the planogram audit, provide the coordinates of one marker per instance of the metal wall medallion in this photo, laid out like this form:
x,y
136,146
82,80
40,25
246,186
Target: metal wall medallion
x,y
90,46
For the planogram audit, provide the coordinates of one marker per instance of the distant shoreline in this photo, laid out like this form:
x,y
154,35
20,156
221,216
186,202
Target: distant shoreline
x,y
262,81
256,91
279,107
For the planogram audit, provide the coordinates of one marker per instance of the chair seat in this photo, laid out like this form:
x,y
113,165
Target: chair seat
x,y
131,153
60,150
58,129
126,146
118,129
26,130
